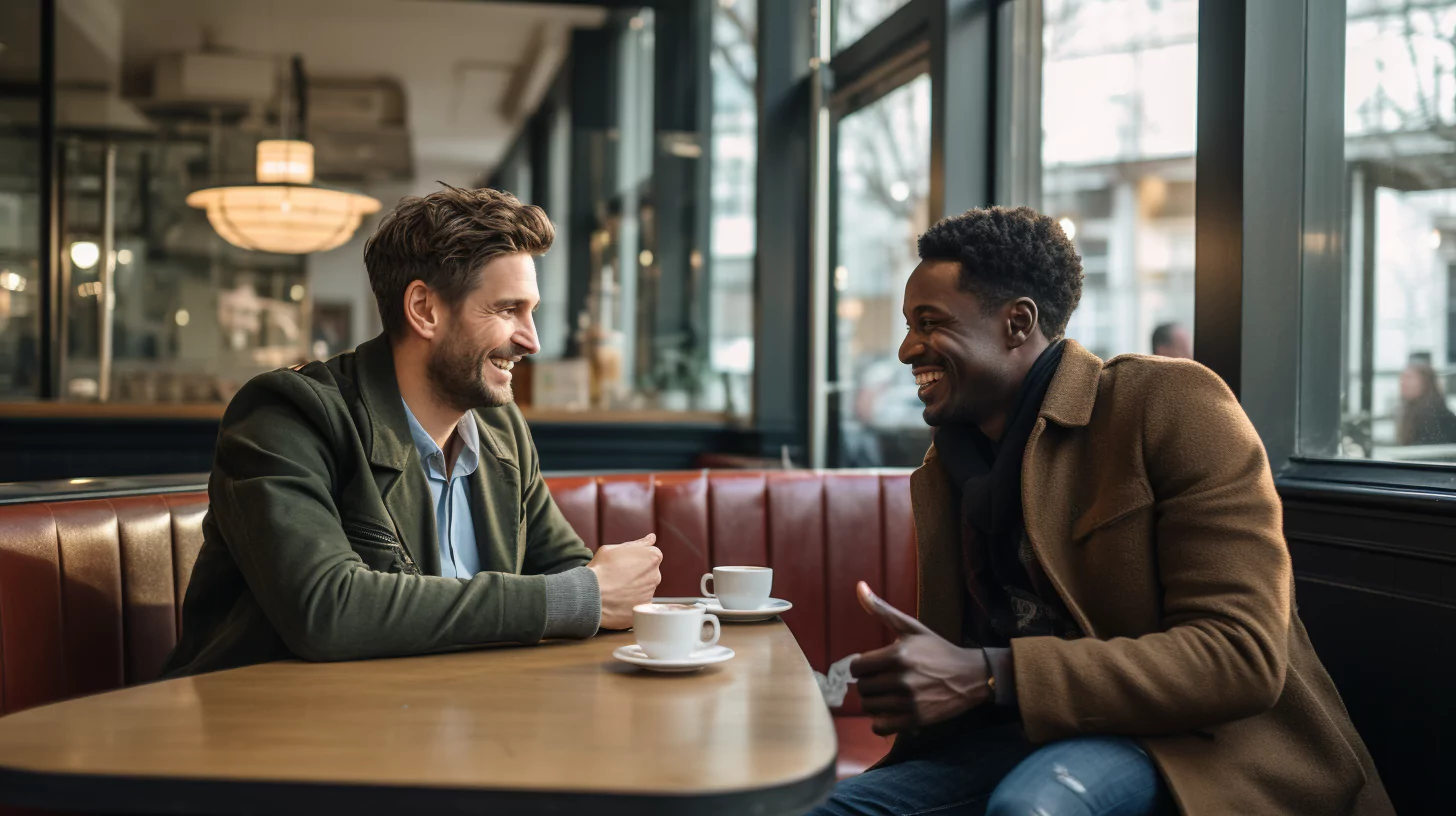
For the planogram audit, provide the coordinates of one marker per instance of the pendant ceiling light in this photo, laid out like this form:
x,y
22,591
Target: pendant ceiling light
x,y
285,212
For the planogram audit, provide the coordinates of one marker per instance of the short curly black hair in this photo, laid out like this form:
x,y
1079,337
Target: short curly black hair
x,y
1010,253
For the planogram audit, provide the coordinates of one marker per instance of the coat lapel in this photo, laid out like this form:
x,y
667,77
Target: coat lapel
x,y
1048,484
495,489
397,467
1049,470
938,536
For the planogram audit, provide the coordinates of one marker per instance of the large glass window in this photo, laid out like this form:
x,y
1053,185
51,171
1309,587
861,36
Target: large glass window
x,y
1398,270
20,185
734,155
157,100
1118,122
882,207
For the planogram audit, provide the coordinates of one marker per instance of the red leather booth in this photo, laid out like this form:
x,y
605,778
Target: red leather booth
x,y
91,590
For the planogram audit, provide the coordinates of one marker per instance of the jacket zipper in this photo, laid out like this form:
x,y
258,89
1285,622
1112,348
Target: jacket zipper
x,y
380,537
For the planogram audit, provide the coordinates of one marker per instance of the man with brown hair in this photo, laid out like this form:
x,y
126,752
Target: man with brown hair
x,y
389,501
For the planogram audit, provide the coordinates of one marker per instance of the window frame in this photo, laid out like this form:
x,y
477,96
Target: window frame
x,y
955,42
893,73
1217,224
1296,184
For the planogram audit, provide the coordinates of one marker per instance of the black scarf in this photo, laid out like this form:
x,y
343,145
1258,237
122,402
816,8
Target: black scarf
x,y
988,474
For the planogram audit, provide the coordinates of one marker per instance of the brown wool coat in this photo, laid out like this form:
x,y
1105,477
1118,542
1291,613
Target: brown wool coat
x,y
1150,504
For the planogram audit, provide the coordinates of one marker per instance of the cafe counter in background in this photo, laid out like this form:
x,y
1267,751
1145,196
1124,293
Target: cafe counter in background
x,y
66,440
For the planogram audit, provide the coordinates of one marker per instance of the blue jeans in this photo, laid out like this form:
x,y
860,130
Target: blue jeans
x,y
995,771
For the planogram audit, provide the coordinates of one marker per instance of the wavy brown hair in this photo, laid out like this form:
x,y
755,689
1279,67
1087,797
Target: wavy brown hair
x,y
445,239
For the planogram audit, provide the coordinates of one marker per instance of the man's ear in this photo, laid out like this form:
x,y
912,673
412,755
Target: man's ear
x,y
1021,321
423,311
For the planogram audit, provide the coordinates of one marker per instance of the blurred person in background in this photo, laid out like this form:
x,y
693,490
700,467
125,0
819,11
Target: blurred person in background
x,y
1173,340
1425,418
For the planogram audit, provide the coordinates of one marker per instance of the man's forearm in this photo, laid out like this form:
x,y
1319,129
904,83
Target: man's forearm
x,y
573,604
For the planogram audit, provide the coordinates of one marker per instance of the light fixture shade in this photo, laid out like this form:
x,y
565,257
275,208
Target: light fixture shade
x,y
282,213
285,161
283,218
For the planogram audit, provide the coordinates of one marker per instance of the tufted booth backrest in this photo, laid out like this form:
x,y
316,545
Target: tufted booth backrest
x,y
91,591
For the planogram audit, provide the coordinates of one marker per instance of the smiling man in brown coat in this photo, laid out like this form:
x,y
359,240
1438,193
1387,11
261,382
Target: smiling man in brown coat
x,y
1106,622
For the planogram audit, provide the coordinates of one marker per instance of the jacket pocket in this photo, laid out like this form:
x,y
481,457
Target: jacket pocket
x,y
379,548
1109,508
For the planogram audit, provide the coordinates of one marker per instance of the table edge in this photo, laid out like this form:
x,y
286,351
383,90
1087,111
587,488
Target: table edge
x,y
131,794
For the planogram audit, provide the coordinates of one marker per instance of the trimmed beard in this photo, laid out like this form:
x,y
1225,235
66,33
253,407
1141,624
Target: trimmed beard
x,y
457,374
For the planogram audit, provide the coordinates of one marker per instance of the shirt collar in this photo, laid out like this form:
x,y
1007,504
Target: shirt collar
x,y
434,458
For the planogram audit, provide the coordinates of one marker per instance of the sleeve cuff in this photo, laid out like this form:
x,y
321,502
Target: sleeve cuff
x,y
1004,671
573,604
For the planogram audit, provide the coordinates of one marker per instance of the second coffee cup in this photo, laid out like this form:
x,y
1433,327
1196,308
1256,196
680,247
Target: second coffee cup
x,y
739,587
668,631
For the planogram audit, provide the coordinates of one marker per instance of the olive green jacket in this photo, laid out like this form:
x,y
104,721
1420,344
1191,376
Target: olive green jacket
x,y
320,538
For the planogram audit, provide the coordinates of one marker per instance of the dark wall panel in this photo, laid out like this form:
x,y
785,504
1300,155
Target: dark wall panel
x,y
35,449
1376,588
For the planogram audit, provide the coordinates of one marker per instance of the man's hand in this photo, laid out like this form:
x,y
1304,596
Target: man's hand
x,y
627,575
920,679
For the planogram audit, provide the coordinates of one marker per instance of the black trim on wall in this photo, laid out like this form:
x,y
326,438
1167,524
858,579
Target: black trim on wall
x,y
591,83
963,64
1219,190
70,448
100,488
1432,487
681,192
781,266
50,220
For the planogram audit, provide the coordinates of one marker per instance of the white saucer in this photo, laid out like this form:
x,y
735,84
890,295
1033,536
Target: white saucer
x,y
771,608
703,657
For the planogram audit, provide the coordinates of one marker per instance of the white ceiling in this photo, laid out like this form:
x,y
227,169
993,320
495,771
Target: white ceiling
x,y
454,59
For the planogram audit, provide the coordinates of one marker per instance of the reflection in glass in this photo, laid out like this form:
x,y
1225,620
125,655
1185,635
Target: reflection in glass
x,y
193,317
1118,122
854,18
179,95
883,189
20,274
1399,347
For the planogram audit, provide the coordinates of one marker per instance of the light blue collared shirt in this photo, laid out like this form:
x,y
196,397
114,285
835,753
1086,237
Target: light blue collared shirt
x,y
454,524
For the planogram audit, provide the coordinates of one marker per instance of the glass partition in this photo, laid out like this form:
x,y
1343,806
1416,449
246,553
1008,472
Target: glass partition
x,y
191,317
159,100
882,207
651,279
1118,124
1396,278
734,153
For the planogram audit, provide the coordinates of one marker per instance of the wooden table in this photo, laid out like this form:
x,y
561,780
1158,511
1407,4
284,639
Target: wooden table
x,y
556,728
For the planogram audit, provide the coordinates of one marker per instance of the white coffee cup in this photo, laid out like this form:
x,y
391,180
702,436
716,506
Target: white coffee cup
x,y
739,587
669,631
